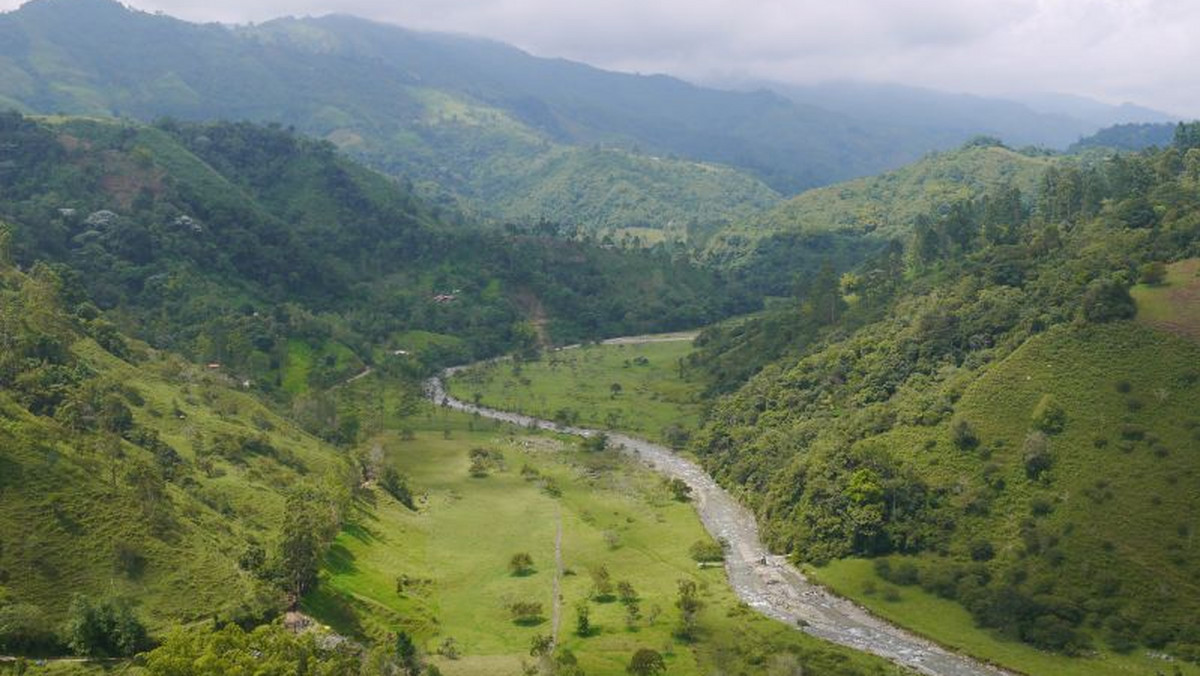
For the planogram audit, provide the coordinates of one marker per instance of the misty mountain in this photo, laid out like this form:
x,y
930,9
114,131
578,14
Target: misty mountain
x,y
429,106
943,120
468,117
1131,136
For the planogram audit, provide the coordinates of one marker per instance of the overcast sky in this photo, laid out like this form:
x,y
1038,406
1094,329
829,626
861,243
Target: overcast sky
x,y
1144,51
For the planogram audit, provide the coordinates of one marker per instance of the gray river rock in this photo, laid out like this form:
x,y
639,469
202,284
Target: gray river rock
x,y
766,582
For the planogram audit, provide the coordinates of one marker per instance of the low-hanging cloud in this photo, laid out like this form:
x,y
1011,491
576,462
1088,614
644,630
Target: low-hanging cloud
x,y
1115,50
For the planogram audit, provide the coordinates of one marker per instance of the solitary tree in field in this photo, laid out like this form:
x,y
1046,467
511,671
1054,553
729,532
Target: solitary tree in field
x,y
615,390
689,605
583,620
521,564
602,586
646,662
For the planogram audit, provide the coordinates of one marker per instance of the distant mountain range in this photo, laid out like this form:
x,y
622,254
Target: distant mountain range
x,y
487,127
940,120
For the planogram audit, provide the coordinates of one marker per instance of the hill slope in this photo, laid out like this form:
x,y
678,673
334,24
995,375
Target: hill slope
x,y
983,404
229,242
130,473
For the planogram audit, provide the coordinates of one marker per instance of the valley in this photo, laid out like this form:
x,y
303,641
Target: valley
x,y
333,347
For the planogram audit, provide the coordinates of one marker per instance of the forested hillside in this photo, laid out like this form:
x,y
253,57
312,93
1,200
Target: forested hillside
x,y
270,254
138,490
978,399
775,249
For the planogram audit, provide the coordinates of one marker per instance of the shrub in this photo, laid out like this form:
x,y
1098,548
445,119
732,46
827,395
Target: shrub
x,y
26,630
1036,454
1049,416
963,435
520,564
396,484
982,550
1153,273
525,612
706,551
106,629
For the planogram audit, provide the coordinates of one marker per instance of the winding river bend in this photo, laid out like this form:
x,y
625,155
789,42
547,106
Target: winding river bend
x,y
766,582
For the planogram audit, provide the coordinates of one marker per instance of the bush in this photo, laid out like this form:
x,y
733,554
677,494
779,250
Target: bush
x,y
706,551
106,629
982,550
963,435
396,484
1049,416
1107,300
520,564
1036,454
525,612
26,630
1153,273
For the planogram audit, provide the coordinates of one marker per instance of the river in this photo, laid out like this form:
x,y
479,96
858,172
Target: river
x,y
766,582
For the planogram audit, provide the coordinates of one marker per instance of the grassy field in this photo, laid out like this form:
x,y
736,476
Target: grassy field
x,y
456,547
641,389
951,625
1174,305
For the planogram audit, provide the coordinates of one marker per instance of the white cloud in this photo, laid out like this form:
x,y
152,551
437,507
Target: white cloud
x,y
1115,50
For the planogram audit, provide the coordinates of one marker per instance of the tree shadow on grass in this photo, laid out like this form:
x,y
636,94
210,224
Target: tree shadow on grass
x,y
331,608
359,532
339,560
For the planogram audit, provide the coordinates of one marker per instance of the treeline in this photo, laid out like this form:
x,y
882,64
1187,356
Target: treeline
x,y
847,397
225,241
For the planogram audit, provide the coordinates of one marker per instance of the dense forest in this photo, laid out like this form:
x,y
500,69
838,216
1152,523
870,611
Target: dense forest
x,y
236,244
943,400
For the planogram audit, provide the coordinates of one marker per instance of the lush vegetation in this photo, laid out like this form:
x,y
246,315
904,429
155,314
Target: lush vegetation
x,y
138,490
977,400
780,250
646,389
267,253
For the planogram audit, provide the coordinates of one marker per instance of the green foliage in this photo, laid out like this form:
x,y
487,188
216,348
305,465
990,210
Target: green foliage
x,y
646,662
1049,416
269,650
583,621
996,325
521,564
707,551
281,263
108,628
25,629
396,484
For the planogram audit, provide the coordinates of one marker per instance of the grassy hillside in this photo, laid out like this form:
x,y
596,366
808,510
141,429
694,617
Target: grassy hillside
x,y
1173,303
977,407
607,191
131,474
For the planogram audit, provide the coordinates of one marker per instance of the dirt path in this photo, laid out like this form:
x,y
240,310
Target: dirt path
x,y
556,607
766,582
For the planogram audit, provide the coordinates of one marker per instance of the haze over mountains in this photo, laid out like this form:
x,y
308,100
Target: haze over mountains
x,y
488,126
